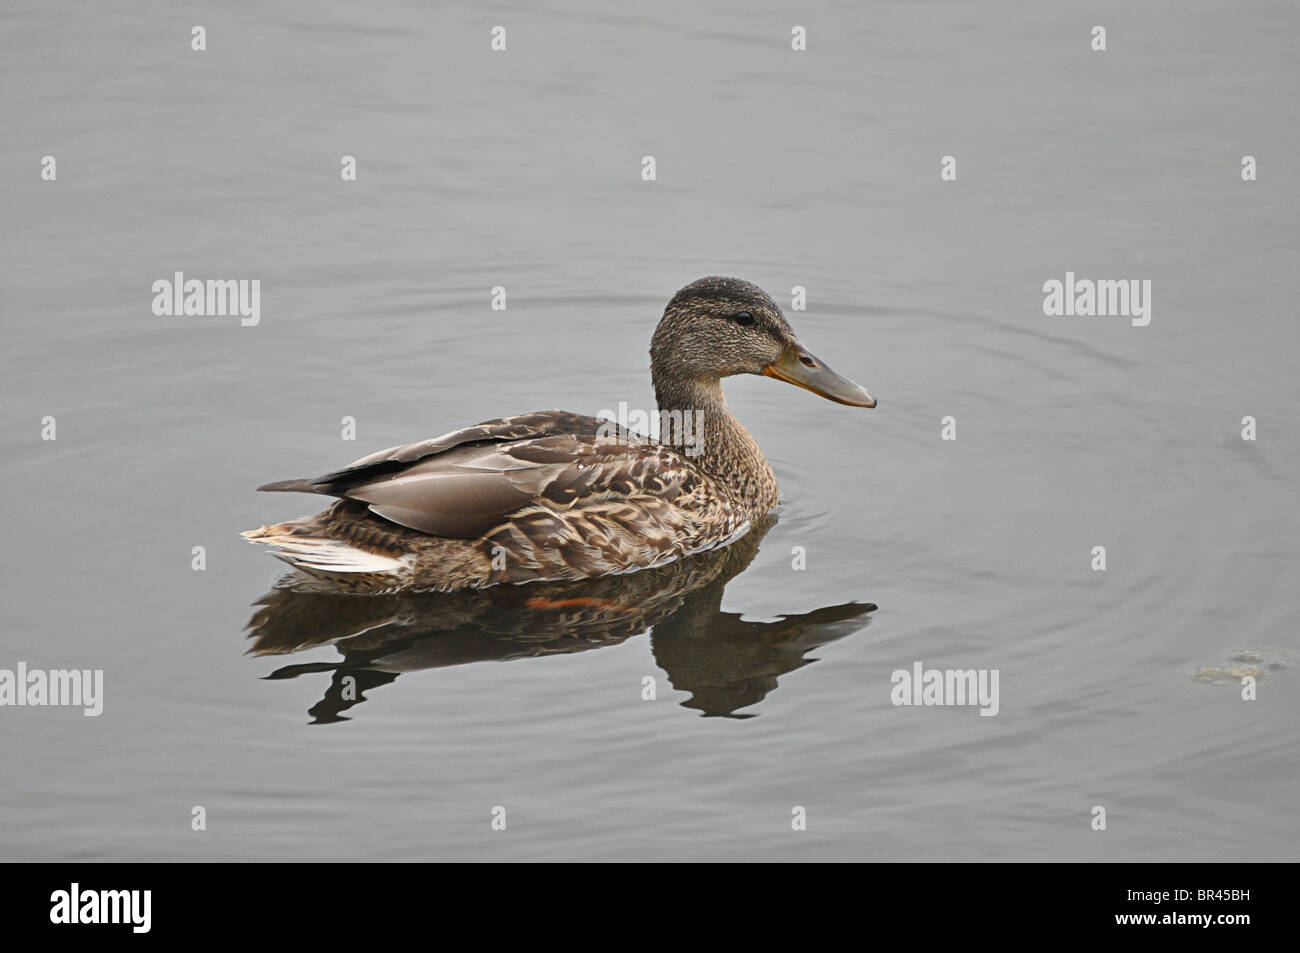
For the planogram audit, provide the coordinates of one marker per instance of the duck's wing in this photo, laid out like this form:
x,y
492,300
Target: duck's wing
x,y
385,465
554,490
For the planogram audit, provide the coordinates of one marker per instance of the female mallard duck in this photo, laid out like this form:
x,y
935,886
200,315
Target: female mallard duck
x,y
560,496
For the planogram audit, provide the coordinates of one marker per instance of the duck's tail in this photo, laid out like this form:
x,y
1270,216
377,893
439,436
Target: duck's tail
x,y
304,544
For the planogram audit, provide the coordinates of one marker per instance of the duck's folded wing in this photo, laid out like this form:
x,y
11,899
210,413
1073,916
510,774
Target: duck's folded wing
x,y
502,430
467,490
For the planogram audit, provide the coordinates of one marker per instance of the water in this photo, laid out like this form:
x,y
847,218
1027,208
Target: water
x,y
522,169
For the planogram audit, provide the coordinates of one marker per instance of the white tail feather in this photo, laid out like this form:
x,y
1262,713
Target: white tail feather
x,y
330,555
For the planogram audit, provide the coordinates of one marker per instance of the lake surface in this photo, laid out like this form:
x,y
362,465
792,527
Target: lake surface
x,y
523,169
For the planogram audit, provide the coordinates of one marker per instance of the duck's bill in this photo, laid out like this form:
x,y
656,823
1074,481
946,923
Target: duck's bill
x,y
797,366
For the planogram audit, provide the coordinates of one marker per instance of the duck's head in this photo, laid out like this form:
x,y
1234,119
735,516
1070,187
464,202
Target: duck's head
x,y
717,327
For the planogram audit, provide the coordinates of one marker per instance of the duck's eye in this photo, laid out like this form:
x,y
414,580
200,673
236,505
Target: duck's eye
x,y
743,318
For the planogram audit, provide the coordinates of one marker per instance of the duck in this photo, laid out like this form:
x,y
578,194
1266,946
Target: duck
x,y
557,496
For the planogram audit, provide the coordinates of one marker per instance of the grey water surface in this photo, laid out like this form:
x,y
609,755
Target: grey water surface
x,y
820,169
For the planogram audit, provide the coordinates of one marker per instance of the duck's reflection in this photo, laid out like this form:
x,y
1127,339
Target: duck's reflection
x,y
724,662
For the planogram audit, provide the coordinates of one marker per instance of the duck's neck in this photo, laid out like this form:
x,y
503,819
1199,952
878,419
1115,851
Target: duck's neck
x,y
715,441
